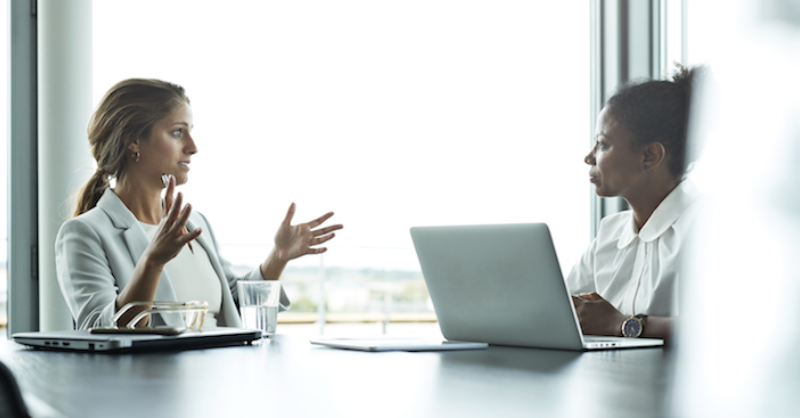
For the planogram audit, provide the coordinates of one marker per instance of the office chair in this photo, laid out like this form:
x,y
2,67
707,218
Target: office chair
x,y
11,403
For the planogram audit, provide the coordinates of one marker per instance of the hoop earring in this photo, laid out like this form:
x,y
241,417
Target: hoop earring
x,y
136,156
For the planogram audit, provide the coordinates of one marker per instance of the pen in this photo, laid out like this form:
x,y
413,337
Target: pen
x,y
165,182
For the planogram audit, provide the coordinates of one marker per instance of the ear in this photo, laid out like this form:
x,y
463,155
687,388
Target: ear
x,y
134,146
654,154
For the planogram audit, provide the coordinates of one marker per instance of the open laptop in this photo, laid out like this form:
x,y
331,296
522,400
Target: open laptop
x,y
82,340
502,284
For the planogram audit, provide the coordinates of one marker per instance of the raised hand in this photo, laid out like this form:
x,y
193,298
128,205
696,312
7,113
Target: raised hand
x,y
169,182
292,241
171,234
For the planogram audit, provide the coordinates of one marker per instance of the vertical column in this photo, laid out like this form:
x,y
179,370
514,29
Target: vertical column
x,y
23,287
64,164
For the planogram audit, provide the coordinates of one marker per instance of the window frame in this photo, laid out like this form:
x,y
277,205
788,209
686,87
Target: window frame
x,y
22,199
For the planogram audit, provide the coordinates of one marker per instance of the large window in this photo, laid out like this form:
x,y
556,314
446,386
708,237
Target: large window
x,y
391,114
687,40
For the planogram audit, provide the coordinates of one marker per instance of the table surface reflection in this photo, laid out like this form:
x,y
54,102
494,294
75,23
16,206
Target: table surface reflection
x,y
289,376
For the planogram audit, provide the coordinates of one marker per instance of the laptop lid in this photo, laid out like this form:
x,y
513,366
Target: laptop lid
x,y
82,340
502,284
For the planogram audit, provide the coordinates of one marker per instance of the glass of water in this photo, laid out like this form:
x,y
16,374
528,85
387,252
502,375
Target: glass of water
x,y
259,302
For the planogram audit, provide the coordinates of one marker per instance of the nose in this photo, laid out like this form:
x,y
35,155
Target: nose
x,y
589,158
191,147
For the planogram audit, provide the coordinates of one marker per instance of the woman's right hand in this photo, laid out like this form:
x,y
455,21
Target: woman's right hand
x,y
171,234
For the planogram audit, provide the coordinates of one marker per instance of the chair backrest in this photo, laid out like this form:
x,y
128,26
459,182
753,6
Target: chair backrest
x,y
11,403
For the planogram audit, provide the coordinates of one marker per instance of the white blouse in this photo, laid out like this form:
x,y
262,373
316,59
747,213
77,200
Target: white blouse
x,y
193,278
638,272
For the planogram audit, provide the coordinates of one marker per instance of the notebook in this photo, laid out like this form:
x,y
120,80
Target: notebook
x,y
502,284
82,340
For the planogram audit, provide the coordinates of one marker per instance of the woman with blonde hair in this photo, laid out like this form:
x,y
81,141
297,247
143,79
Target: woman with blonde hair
x,y
127,244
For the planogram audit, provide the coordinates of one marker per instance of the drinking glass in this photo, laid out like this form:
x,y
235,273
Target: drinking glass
x,y
259,301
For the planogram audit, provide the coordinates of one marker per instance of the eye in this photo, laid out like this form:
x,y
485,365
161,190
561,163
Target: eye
x,y
177,133
602,145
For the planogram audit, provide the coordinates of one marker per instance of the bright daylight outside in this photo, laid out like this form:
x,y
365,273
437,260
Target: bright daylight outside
x,y
390,114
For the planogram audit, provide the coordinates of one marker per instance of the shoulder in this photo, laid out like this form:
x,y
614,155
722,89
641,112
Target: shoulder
x,y
689,216
687,203
94,220
85,233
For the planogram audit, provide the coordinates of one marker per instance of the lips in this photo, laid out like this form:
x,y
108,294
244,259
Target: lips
x,y
184,165
593,177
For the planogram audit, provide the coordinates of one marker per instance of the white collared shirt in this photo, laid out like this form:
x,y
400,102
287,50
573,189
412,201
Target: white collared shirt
x,y
638,272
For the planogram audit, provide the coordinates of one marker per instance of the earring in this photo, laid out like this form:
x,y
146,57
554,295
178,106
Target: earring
x,y
645,166
136,156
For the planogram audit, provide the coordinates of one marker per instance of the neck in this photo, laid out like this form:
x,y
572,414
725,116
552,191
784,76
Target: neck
x,y
645,202
142,198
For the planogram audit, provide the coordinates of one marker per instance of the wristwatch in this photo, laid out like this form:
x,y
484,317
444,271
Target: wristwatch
x,y
634,326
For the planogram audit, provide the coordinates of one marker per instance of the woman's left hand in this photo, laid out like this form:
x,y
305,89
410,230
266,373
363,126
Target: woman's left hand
x,y
597,316
292,241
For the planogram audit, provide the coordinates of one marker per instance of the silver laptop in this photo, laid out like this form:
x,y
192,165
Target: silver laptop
x,y
82,340
502,284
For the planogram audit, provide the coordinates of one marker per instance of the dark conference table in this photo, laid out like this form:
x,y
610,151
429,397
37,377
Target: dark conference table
x,y
290,377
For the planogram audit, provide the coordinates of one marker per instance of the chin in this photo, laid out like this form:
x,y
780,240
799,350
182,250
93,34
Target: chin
x,y
602,193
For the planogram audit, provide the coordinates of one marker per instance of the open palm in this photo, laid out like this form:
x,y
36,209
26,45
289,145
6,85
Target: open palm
x,y
293,241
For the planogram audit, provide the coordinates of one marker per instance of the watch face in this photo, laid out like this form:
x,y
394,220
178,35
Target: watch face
x,y
631,328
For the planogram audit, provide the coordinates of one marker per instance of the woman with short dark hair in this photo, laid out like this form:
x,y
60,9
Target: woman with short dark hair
x,y
626,283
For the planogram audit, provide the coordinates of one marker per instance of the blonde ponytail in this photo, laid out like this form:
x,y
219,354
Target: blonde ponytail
x,y
91,192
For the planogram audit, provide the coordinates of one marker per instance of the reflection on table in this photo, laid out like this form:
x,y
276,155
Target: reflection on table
x,y
288,376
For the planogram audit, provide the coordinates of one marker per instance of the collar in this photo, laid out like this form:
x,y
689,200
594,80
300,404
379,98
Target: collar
x,y
120,215
112,205
666,214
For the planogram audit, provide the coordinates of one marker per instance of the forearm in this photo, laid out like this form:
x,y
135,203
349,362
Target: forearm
x,y
598,317
659,327
272,268
141,288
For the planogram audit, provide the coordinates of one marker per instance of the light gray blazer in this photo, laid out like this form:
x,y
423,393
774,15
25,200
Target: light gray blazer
x,y
97,251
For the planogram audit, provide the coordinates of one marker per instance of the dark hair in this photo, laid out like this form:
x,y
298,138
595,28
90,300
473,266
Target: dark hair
x,y
658,110
127,112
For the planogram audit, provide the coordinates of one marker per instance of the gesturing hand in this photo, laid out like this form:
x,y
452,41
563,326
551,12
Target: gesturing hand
x,y
597,316
292,241
171,234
